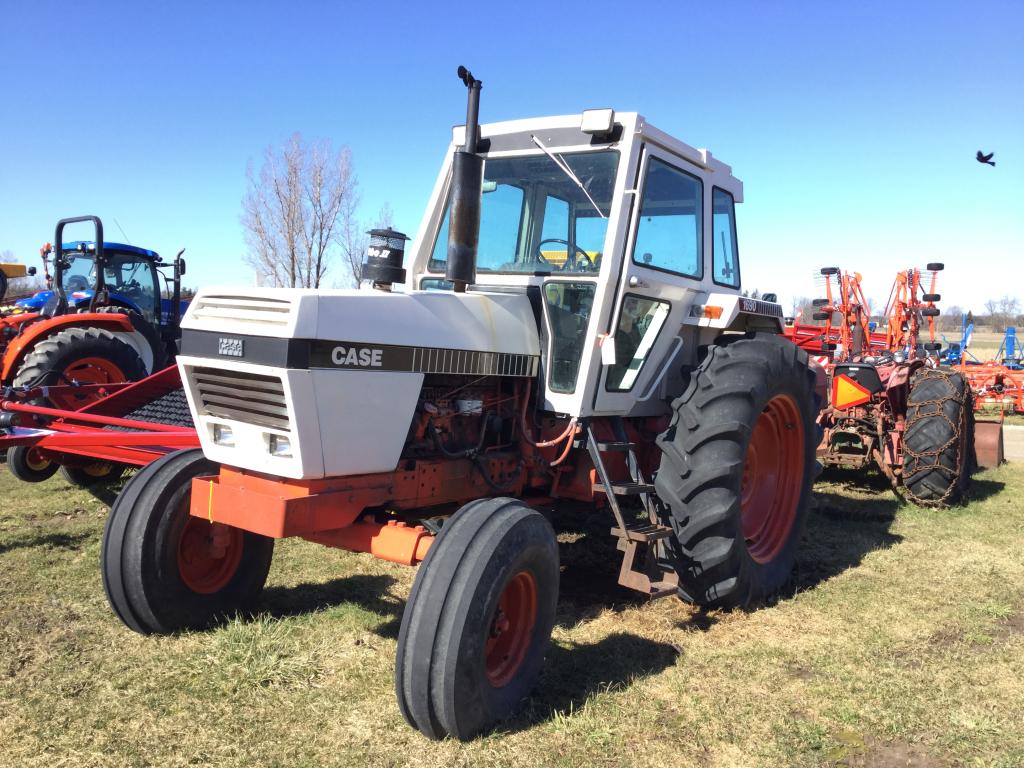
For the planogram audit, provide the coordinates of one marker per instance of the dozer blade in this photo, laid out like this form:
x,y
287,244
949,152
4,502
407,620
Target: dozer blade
x,y
988,443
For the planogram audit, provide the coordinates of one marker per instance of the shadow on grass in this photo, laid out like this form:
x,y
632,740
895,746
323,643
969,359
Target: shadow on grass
x,y
64,541
840,532
573,674
980,490
370,592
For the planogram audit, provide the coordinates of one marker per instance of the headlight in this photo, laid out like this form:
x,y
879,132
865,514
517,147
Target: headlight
x,y
279,445
222,435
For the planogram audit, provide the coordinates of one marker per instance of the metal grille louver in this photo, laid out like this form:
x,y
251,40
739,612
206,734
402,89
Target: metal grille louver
x,y
247,397
242,309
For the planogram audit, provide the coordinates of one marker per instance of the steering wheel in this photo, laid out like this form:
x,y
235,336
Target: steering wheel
x,y
76,283
570,260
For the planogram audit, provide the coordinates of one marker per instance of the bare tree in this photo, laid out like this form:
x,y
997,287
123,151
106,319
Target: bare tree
x,y
951,319
1001,312
292,210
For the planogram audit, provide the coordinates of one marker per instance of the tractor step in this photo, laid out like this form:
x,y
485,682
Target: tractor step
x,y
644,532
609,446
641,571
624,488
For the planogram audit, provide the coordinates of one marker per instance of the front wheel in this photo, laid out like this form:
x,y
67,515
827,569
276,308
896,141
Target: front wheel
x,y
478,620
737,464
165,570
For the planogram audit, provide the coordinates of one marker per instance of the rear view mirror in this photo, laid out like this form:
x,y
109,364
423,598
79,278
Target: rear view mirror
x,y
489,186
181,271
31,271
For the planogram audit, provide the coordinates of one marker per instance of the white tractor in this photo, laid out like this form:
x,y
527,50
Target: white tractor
x,y
570,326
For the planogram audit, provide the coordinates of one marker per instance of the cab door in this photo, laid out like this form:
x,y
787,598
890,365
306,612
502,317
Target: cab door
x,y
663,271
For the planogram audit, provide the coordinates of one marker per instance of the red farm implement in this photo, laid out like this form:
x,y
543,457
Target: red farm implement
x,y
890,404
94,431
845,315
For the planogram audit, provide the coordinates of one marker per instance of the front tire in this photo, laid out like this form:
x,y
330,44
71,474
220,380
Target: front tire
x,y
738,461
478,620
165,570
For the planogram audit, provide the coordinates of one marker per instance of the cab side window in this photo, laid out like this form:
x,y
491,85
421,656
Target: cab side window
x,y
725,258
668,234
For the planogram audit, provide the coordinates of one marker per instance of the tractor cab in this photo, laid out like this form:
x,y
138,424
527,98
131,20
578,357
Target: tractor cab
x,y
129,274
621,235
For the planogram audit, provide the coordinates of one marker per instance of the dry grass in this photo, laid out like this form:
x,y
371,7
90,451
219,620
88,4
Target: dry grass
x,y
903,644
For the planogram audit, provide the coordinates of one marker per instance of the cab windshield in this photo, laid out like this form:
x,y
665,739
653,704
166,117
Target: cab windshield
x,y
126,274
535,218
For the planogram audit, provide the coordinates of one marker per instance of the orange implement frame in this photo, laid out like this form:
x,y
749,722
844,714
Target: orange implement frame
x,y
995,386
906,310
851,336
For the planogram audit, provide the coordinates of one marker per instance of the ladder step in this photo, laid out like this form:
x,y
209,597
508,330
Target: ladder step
x,y
644,532
625,488
608,446
663,588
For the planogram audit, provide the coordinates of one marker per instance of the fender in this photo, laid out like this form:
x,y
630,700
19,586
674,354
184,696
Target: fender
x,y
37,330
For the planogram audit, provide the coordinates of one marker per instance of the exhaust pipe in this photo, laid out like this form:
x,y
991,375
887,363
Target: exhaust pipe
x,y
467,191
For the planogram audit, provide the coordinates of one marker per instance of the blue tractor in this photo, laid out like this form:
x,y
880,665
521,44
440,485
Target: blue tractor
x,y
130,281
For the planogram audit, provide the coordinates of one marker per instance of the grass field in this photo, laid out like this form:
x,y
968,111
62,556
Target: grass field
x,y
902,644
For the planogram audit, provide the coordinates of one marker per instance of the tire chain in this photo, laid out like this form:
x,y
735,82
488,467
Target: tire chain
x,y
933,454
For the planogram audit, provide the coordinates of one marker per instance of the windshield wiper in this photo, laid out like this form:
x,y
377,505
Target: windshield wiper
x,y
564,167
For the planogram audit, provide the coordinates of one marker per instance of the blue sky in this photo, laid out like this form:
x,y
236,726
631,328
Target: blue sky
x,y
853,125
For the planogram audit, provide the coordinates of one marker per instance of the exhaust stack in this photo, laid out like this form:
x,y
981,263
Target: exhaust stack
x,y
467,190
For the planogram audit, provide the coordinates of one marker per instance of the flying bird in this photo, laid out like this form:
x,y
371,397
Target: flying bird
x,y
983,158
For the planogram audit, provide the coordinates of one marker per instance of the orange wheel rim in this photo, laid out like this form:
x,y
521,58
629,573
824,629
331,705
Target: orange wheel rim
x,y
208,555
773,473
511,629
94,370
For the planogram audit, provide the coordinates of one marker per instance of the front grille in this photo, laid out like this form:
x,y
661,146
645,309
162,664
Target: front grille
x,y
242,309
247,397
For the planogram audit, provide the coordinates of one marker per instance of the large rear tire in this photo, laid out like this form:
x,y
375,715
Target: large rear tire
x,y
478,620
737,464
165,570
83,355
145,329
939,438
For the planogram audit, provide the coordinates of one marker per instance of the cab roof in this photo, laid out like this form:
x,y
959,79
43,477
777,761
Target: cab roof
x,y
89,245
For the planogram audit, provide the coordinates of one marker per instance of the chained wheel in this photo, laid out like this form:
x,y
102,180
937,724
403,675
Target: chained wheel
x,y
939,438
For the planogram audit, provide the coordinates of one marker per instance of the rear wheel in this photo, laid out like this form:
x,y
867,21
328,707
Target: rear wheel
x,y
478,620
165,570
82,355
939,438
29,465
145,329
736,470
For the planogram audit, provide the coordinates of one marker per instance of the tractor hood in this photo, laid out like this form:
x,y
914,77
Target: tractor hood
x,y
334,376
321,328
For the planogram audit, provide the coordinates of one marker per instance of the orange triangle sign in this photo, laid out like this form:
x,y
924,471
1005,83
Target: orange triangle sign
x,y
847,393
